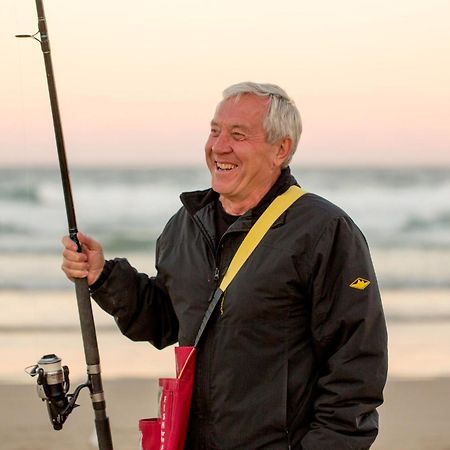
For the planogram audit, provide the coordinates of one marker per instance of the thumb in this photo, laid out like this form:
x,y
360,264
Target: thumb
x,y
87,241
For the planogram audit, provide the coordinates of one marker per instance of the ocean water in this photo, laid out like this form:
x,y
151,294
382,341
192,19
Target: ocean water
x,y
404,214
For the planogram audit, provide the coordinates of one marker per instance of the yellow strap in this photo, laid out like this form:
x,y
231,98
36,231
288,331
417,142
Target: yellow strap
x,y
258,230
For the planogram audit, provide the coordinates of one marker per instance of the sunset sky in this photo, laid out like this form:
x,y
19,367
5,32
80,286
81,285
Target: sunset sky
x,y
138,80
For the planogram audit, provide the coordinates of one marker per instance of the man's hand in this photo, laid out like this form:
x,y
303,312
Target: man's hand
x,y
89,263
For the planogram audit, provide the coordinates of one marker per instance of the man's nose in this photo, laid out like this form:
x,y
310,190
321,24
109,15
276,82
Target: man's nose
x,y
222,143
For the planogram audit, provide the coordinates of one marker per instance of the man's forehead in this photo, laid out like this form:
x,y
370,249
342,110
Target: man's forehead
x,y
245,107
245,100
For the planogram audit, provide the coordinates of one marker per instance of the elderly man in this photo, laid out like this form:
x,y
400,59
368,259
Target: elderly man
x,y
295,356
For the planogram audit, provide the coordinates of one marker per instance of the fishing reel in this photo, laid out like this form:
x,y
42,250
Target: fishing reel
x,y
53,385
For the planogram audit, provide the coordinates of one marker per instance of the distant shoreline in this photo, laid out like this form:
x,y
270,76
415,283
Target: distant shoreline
x,y
43,322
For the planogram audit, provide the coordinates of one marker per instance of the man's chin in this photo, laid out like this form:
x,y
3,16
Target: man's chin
x,y
223,187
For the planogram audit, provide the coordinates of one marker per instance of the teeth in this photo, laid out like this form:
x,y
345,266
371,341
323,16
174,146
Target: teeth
x,y
225,166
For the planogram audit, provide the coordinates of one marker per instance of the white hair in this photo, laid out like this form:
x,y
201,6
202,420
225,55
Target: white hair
x,y
282,119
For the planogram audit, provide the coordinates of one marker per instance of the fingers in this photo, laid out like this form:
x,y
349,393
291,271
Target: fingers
x,y
84,240
73,272
69,244
75,265
90,243
89,263
71,255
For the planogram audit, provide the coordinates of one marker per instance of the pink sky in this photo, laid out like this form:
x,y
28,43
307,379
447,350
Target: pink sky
x,y
138,81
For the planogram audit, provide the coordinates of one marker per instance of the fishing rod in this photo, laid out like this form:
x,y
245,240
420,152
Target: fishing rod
x,y
53,380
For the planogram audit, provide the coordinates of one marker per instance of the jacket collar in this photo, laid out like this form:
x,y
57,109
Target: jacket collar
x,y
201,203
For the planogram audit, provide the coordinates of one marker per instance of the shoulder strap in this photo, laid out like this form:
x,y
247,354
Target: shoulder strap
x,y
278,206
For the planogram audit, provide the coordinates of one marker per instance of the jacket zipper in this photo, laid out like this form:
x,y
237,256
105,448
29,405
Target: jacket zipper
x,y
204,389
288,439
216,277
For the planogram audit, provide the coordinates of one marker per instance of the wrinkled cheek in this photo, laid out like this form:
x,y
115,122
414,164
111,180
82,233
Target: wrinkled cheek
x,y
207,150
209,159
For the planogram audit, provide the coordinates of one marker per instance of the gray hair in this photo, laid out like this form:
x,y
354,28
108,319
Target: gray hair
x,y
282,119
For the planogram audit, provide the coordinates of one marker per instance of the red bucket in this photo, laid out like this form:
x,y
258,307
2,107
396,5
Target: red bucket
x,y
168,432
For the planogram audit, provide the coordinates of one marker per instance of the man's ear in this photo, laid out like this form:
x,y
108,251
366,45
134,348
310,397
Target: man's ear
x,y
283,150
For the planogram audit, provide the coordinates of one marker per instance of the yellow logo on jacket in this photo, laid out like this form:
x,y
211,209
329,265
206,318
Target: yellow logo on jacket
x,y
360,283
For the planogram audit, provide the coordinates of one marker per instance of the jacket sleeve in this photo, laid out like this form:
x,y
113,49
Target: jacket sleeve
x,y
350,341
140,305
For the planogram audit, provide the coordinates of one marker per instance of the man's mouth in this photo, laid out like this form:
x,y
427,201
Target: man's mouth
x,y
225,166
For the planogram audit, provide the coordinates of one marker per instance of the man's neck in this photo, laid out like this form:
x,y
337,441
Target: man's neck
x,y
236,207
239,206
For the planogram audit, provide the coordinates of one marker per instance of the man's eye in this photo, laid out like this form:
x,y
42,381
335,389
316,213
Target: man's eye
x,y
238,136
214,132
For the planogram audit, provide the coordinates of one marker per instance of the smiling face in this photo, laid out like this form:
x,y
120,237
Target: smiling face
x,y
243,165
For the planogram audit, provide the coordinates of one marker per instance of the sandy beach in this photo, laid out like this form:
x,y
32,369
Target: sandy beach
x,y
414,417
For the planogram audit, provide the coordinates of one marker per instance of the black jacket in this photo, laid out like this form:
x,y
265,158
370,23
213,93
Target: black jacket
x,y
294,357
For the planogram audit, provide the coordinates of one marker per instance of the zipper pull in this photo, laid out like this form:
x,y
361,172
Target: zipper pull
x,y
216,274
